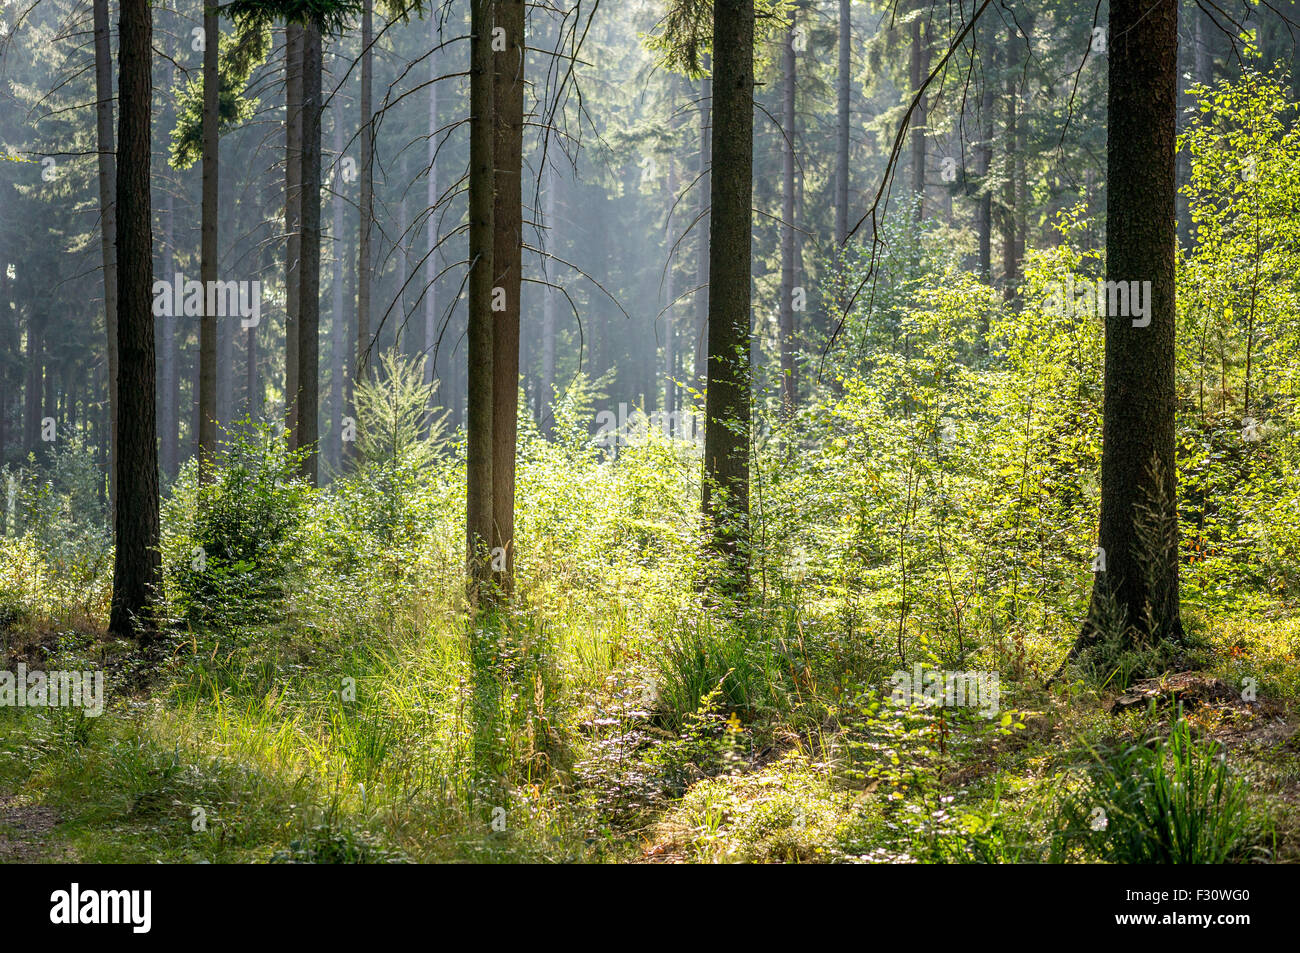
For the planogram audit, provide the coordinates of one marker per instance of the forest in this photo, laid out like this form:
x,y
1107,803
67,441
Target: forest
x,y
649,431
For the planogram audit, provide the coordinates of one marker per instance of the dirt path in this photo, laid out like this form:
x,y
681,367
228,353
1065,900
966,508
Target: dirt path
x,y
25,832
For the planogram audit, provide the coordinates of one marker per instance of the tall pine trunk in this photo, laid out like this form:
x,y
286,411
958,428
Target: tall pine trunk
x,y
917,66
789,386
727,406
431,200
108,215
307,418
367,197
338,318
1010,260
546,401
842,125
507,225
702,227
208,249
169,407
293,50
137,576
1139,524
479,531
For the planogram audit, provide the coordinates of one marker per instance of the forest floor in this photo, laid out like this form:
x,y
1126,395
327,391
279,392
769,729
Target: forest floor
x,y
260,770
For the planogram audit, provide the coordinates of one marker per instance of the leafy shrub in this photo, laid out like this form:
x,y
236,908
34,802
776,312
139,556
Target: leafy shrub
x,y
227,545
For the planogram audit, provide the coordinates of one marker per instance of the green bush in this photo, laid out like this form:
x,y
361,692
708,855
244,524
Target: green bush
x,y
227,545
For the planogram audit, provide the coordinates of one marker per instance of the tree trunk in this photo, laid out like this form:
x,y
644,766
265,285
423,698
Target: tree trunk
x,y
984,163
1139,529
670,285
251,381
170,402
431,200
789,386
107,216
507,222
546,401
307,418
727,408
702,226
842,125
208,251
293,118
917,64
338,319
478,412
1010,261
367,196
34,360
137,576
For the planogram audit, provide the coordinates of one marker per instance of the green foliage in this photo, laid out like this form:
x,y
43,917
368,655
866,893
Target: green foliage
x,y
239,55
330,15
228,545
685,33
398,425
1170,802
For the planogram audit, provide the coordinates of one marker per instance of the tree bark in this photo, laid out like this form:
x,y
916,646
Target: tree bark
x,y
170,403
208,250
842,79
507,223
307,417
107,216
338,318
727,406
431,200
367,196
546,400
702,226
1138,526
293,118
984,162
137,577
1010,261
478,411
789,387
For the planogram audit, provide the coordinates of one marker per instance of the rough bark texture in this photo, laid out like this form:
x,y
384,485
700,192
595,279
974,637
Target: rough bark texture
x,y
207,396
307,421
137,575
1010,261
431,200
169,403
507,225
984,162
107,216
727,407
338,317
292,221
786,330
842,125
702,226
546,402
367,197
478,410
1138,531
